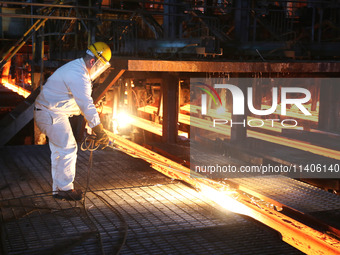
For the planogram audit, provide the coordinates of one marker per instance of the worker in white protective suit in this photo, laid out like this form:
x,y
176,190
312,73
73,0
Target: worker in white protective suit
x,y
67,92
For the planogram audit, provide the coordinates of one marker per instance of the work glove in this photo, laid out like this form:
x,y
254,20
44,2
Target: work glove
x,y
101,136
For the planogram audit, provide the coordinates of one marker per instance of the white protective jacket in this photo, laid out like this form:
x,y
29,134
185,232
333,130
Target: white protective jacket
x,y
68,92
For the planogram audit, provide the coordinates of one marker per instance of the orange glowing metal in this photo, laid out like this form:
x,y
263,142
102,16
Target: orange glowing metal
x,y
300,236
296,114
150,126
293,232
305,146
225,130
292,113
17,89
189,120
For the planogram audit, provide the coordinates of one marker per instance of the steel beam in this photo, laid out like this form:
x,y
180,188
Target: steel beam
x,y
29,16
170,85
170,20
241,19
239,127
329,105
226,67
110,80
48,5
13,122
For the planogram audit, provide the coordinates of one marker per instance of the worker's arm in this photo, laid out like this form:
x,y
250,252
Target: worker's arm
x,y
78,82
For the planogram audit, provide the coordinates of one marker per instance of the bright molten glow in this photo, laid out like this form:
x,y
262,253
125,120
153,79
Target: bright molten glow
x,y
17,89
226,199
123,119
186,135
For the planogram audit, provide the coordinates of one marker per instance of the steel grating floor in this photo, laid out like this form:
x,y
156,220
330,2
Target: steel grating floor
x,y
163,216
298,195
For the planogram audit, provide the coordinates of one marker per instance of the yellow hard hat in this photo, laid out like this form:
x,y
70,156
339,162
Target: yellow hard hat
x,y
102,51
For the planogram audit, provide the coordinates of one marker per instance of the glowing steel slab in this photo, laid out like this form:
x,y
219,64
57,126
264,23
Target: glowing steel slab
x,y
17,89
300,236
150,126
189,120
225,130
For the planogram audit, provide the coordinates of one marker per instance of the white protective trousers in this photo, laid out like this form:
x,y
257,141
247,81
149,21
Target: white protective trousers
x,y
67,92
63,148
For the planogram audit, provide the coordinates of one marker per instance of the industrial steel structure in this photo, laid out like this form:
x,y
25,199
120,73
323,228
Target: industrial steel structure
x,y
158,47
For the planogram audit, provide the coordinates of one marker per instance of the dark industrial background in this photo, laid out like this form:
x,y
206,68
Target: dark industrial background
x,y
157,47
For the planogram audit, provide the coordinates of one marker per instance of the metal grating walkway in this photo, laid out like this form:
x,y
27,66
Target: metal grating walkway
x,y
163,216
298,195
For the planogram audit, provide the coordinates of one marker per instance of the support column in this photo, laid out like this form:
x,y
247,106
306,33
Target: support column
x,y
242,20
257,93
130,99
115,108
37,78
170,85
239,130
170,20
327,107
315,91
